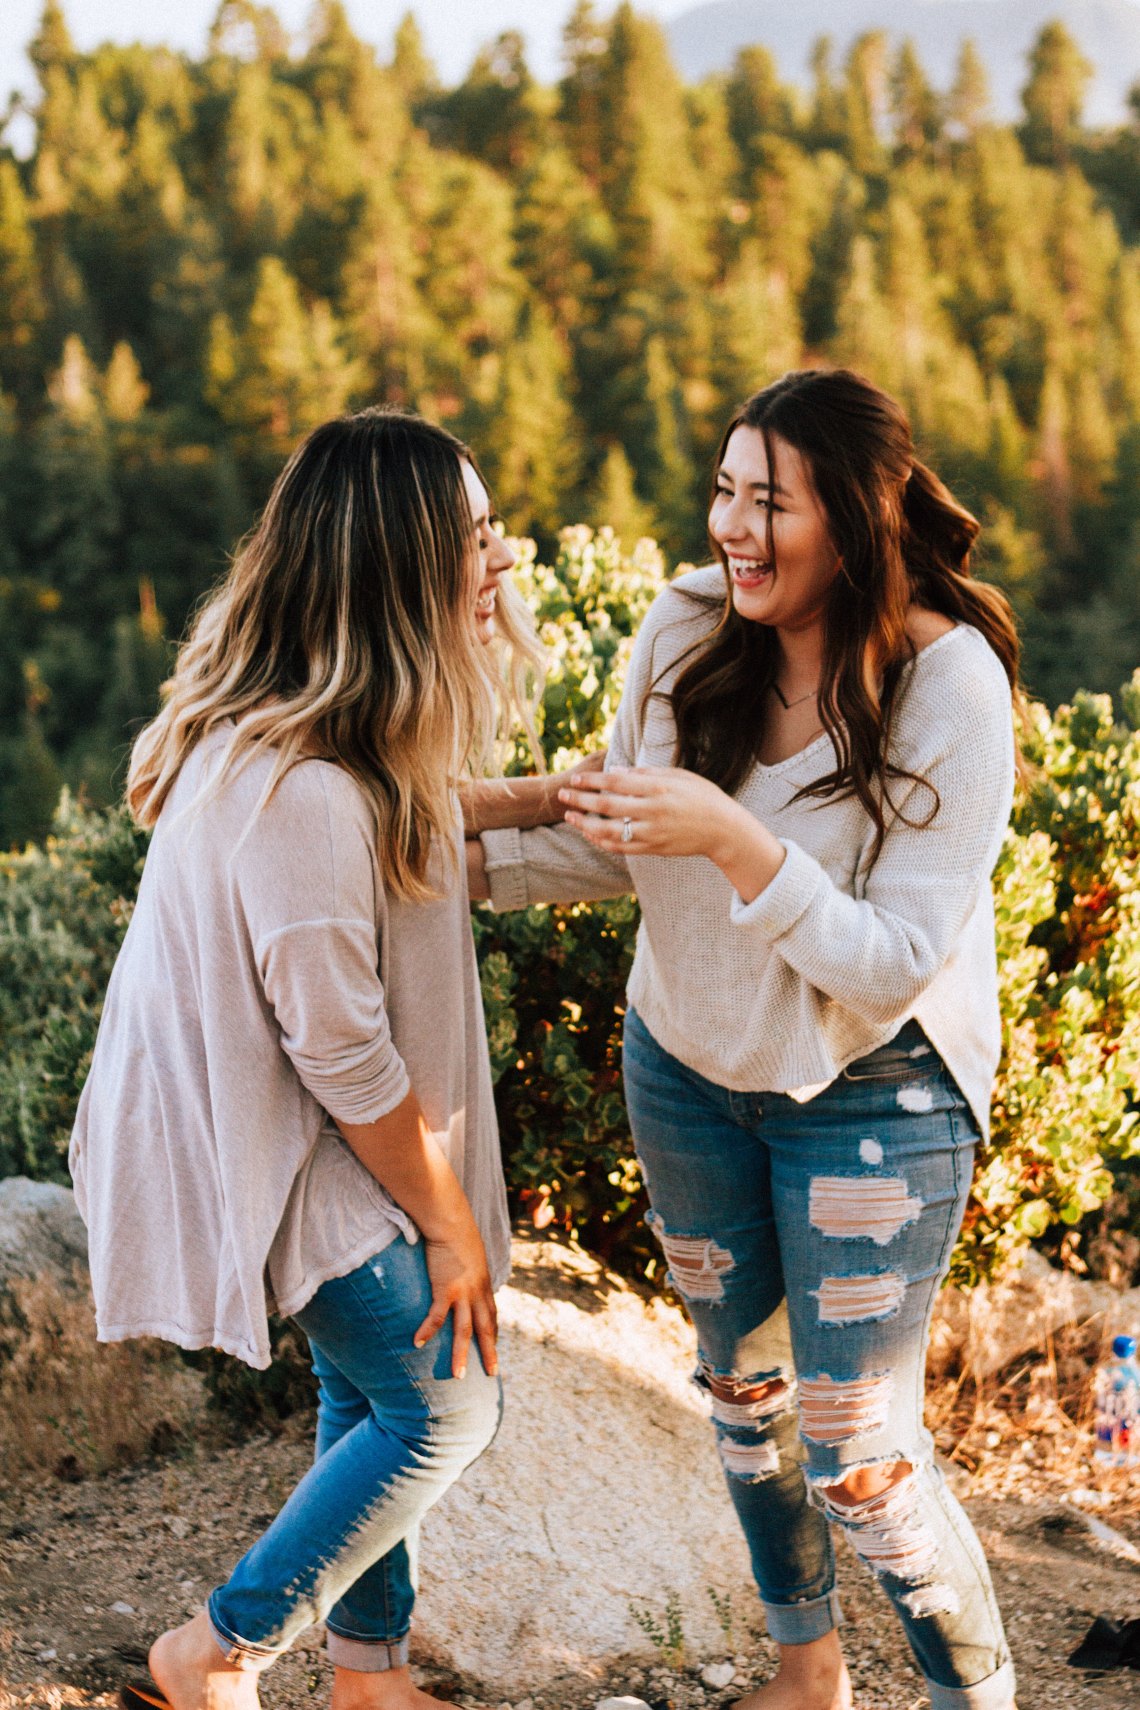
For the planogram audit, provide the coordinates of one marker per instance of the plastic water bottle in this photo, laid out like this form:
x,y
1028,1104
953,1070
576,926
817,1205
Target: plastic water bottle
x,y
1116,1388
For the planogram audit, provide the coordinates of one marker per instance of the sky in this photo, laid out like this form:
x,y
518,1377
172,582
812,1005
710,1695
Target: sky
x,y
453,29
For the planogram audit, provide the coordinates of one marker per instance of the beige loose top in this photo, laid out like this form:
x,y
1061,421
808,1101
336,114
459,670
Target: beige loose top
x,y
781,993
267,984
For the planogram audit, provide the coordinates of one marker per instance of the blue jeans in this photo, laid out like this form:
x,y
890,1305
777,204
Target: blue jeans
x,y
808,1242
394,1431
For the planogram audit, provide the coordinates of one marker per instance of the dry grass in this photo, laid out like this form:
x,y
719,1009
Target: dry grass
x,y
1029,1427
72,1406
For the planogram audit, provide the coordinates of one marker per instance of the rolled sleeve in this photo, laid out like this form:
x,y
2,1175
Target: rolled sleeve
x,y
506,869
786,898
320,978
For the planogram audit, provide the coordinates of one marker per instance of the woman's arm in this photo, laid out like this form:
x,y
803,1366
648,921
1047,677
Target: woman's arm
x,y
401,1152
308,878
496,804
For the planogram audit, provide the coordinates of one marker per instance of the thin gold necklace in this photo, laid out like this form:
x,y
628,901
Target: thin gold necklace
x,y
799,700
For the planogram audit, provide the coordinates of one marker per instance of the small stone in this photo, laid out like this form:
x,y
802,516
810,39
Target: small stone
x,y
121,1608
719,1674
48,1655
622,1704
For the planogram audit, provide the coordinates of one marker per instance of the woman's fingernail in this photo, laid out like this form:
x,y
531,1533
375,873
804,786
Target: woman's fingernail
x,y
462,1372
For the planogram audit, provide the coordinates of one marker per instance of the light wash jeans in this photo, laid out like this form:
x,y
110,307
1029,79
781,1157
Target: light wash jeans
x,y
811,1239
394,1431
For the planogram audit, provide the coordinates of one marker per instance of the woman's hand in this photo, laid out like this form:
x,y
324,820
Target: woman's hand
x,y
461,1285
650,810
664,810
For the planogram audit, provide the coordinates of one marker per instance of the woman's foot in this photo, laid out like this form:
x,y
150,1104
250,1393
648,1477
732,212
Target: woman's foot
x,y
188,1665
391,1689
810,1677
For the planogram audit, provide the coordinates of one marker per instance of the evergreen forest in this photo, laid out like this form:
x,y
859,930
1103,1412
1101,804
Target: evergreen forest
x,y
202,258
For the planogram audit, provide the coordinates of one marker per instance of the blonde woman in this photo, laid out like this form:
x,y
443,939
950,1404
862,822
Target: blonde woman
x,y
290,1101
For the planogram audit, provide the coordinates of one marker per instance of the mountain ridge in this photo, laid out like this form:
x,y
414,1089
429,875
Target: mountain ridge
x,y
705,39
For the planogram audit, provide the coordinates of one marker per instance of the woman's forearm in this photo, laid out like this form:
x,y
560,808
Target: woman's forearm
x,y
478,884
495,804
403,1155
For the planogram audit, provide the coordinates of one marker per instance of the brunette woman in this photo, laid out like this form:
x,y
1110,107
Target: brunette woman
x,y
290,1102
808,784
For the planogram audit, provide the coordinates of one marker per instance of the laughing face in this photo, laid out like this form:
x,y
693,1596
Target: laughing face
x,y
495,557
780,577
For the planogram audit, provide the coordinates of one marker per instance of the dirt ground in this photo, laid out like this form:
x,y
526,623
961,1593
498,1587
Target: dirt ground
x,y
89,1572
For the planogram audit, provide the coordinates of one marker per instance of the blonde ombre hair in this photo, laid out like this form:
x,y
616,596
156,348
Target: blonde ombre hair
x,y
345,630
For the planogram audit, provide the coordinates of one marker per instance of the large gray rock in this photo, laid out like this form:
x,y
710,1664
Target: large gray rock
x,y
603,1494
40,1231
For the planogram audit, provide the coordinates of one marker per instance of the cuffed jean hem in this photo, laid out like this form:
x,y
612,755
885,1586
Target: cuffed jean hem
x,y
366,1656
800,1623
237,1650
993,1693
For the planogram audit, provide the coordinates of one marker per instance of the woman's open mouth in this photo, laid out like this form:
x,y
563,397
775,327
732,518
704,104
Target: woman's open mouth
x,y
748,572
485,604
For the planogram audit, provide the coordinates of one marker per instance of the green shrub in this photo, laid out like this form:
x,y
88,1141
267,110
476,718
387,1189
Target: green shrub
x,y
63,911
1067,891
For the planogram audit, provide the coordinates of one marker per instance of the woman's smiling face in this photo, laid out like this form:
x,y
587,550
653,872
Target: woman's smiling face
x,y
781,578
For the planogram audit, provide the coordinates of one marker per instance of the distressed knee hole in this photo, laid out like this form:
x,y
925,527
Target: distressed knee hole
x,y
885,1529
743,1401
749,1462
835,1410
854,1300
872,1208
697,1265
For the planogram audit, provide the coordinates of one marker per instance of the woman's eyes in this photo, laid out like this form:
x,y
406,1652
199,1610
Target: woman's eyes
x,y
761,500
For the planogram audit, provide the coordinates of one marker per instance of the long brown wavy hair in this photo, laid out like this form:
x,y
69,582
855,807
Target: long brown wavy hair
x,y
345,630
901,537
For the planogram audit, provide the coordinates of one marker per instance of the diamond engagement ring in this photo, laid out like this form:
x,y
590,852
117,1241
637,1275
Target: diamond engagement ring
x,y
627,830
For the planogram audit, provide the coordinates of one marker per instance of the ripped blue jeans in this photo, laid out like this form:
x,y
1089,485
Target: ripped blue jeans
x,y
808,1242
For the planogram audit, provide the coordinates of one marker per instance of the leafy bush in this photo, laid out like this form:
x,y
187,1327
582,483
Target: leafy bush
x,y
1068,918
63,911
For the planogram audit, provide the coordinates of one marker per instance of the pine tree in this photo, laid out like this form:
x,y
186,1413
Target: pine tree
x,y
1053,97
864,101
758,106
30,778
20,287
124,390
281,372
413,73
968,103
529,440
916,114
585,40
614,501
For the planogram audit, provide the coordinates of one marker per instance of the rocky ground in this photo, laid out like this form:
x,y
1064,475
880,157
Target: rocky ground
x,y
592,1553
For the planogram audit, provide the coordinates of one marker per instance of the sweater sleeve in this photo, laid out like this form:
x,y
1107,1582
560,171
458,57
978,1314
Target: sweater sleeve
x,y
877,954
308,877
